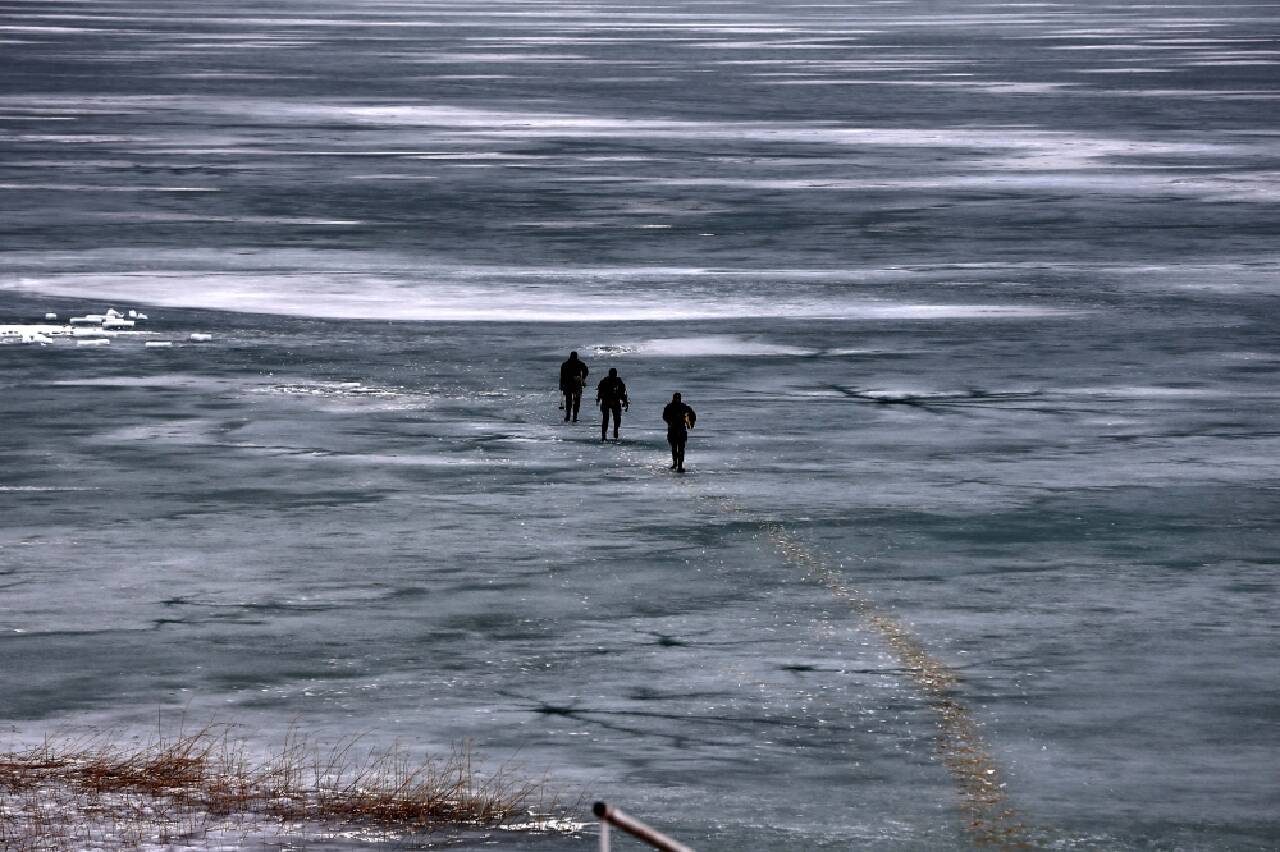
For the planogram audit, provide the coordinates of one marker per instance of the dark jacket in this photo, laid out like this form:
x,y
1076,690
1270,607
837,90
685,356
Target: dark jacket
x,y
573,375
680,418
612,391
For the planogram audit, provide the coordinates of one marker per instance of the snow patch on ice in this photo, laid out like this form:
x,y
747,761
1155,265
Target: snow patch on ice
x,y
705,346
332,390
510,294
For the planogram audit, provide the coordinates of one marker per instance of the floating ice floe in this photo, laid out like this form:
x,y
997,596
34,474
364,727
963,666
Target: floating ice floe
x,y
50,315
93,341
200,337
158,344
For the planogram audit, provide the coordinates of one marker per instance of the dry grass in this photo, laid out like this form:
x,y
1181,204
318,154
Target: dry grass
x,y
989,818
204,789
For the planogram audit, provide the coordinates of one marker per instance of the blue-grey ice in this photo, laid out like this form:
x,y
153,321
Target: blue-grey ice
x,y
976,303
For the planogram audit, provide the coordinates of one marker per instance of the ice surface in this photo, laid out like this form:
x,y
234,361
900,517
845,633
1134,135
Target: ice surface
x,y
975,303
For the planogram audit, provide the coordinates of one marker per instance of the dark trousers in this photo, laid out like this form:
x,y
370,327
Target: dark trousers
x,y
607,408
677,441
572,402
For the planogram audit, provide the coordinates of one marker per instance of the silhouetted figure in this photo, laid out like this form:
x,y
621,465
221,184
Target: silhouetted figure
x,y
611,395
680,419
573,378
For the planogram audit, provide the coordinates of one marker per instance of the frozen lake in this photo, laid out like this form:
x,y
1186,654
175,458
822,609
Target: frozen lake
x,y
975,302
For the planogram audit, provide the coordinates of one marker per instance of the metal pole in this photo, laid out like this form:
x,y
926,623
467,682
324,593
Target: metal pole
x,y
612,816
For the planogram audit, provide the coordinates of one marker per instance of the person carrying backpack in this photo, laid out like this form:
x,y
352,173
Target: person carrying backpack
x,y
680,419
573,377
611,396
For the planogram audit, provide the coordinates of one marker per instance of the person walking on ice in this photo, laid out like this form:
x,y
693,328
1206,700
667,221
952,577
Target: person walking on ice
x,y
573,378
611,396
680,419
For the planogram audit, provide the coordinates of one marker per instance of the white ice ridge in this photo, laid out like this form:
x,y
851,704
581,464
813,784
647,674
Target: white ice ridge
x,y
32,332
85,329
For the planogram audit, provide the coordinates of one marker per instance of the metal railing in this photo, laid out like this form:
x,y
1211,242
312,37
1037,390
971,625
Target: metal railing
x,y
609,815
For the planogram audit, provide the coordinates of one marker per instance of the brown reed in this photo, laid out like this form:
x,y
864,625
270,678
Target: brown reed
x,y
69,794
990,820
